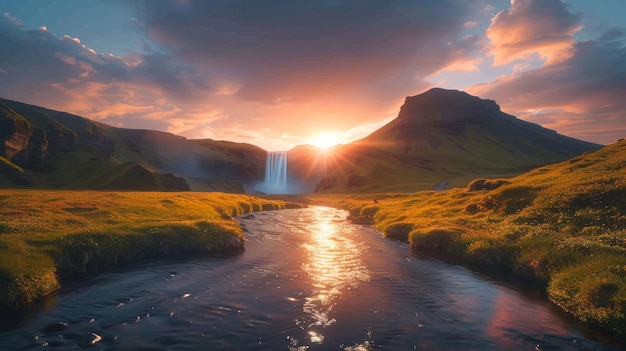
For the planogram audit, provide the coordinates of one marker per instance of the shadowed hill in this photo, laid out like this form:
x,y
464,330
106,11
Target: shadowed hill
x,y
445,138
440,139
44,148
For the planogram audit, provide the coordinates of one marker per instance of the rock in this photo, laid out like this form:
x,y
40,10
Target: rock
x,y
15,131
486,184
33,156
250,216
441,107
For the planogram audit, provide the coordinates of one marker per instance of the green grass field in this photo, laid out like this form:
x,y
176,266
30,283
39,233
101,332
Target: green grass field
x,y
563,225
46,236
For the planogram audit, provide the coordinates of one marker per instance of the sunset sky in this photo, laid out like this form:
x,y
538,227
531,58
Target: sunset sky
x,y
276,73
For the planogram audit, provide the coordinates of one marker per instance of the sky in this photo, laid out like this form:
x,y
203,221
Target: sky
x,y
278,73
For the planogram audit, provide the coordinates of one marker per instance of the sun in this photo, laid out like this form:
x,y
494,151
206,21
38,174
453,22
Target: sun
x,y
325,140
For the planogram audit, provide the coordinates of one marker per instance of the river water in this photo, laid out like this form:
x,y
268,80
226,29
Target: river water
x,y
308,280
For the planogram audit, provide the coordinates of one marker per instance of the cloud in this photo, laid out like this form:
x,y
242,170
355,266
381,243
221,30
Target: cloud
x,y
285,65
278,51
63,73
542,28
581,96
12,19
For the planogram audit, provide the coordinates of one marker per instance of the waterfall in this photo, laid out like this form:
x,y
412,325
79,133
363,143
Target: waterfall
x,y
275,173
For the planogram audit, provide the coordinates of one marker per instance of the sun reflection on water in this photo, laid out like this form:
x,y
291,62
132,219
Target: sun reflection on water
x,y
334,267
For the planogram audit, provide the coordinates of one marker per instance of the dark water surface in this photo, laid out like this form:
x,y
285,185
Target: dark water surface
x,y
308,280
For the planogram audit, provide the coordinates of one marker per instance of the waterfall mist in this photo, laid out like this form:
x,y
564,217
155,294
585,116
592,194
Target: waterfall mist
x,y
275,174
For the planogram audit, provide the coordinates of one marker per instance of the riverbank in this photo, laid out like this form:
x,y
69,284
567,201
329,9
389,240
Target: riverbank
x,y
561,225
49,236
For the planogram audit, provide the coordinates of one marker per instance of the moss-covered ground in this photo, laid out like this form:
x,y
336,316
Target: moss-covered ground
x,y
563,225
46,236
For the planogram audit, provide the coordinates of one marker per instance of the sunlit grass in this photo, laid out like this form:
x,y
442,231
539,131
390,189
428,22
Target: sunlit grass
x,y
563,225
45,235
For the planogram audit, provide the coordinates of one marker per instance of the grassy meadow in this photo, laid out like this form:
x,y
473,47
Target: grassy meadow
x,y
563,225
46,235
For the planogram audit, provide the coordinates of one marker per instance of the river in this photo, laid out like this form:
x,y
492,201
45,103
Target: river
x,y
307,280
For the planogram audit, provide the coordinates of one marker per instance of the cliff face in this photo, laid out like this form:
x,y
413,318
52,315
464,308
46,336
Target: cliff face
x,y
62,150
440,107
15,131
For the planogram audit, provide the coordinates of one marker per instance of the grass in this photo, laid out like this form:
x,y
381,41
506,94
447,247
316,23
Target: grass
x,y
49,236
563,225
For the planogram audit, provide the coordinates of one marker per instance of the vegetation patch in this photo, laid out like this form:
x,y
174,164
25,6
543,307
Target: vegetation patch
x,y
562,225
433,239
399,231
49,236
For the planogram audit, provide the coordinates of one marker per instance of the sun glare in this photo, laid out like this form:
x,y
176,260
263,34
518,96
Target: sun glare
x,y
324,140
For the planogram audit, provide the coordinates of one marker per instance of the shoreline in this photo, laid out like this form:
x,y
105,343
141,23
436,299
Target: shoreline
x,y
49,237
172,225
464,238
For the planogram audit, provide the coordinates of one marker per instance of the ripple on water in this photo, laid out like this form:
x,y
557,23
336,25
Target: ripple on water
x,y
307,280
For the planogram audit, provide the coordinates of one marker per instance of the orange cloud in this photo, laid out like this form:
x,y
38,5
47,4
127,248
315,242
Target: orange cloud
x,y
530,28
581,96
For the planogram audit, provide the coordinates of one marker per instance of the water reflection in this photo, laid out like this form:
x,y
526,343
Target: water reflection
x,y
334,268
308,280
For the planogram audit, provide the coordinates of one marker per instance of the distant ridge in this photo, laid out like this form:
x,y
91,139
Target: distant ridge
x,y
444,135
429,120
440,139
44,148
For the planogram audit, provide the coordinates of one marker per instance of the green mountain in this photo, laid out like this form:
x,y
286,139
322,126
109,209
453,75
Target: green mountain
x,y
440,139
445,138
43,148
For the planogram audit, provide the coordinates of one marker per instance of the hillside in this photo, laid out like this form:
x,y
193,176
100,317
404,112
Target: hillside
x,y
562,225
445,138
440,139
43,148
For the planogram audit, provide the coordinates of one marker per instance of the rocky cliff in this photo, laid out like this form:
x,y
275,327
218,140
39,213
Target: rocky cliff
x,y
15,132
51,149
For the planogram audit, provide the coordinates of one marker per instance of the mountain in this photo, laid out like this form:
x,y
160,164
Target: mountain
x,y
44,148
440,139
444,138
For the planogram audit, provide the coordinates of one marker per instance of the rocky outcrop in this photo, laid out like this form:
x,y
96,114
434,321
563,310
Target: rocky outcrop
x,y
441,107
15,132
486,184
33,156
